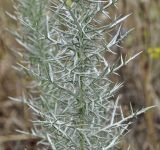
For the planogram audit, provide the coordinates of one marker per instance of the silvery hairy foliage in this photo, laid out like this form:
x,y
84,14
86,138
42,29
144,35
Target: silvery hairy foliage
x,y
65,46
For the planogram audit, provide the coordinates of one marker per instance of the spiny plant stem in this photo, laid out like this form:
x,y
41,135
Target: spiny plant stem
x,y
65,53
82,99
81,113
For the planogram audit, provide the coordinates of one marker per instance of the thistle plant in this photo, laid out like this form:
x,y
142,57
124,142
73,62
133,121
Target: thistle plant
x,y
66,44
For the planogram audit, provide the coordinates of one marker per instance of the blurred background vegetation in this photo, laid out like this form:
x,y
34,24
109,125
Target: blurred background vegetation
x,y
141,78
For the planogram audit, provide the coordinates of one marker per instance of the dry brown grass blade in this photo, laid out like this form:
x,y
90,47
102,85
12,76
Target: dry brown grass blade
x,y
18,137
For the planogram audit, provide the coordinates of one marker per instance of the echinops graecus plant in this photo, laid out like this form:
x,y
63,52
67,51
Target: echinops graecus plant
x,y
65,45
